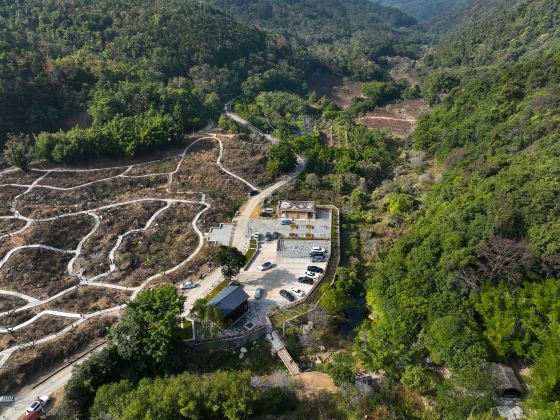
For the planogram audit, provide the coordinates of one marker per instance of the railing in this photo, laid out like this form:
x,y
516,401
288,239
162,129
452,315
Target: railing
x,y
224,343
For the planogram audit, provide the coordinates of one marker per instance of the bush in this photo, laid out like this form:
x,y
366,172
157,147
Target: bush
x,y
417,378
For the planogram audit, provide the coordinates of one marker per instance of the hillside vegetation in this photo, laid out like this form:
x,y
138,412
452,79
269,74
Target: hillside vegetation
x,y
424,10
501,34
350,37
154,67
475,278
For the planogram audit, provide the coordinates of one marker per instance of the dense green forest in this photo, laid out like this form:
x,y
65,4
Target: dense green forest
x,y
472,12
475,278
424,10
350,37
164,65
524,31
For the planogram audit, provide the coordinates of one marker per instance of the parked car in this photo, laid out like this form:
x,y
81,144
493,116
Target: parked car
x,y
275,235
287,295
252,193
265,266
315,269
318,249
274,192
317,254
259,293
268,236
37,406
305,280
285,222
269,210
311,274
265,214
7,399
297,292
188,285
256,236
317,258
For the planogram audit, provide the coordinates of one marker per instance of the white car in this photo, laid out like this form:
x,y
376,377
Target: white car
x,y
37,406
265,266
188,285
312,274
318,249
297,292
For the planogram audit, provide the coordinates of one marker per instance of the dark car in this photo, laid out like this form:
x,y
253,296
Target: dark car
x,y
265,214
317,254
275,235
318,258
252,193
305,280
315,269
287,295
274,192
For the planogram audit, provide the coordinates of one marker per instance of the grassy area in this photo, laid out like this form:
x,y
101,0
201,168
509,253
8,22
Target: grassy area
x,y
187,330
217,289
251,251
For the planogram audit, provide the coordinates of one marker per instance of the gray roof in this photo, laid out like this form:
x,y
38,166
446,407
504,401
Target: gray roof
x,y
229,299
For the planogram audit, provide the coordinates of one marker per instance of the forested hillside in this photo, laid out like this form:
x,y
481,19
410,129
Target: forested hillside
x,y
423,10
152,67
350,37
521,32
475,279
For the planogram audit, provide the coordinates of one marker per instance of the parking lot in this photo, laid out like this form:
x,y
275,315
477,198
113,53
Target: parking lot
x,y
283,275
320,227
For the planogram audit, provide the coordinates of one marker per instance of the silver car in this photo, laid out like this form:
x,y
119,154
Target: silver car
x,y
259,293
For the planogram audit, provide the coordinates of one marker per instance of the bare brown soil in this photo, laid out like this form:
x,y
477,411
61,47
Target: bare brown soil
x,y
8,303
64,233
313,383
116,221
167,165
398,118
404,68
161,247
45,325
19,177
247,159
26,364
88,299
200,173
36,272
41,203
10,225
72,179
7,194
336,89
15,318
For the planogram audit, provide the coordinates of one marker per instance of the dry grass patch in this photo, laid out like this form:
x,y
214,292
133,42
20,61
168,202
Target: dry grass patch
x,y
168,242
26,364
20,177
36,272
9,303
89,299
247,159
45,325
165,166
94,258
41,202
73,179
7,194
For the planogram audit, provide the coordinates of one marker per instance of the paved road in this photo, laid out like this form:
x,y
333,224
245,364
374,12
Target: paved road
x,y
28,395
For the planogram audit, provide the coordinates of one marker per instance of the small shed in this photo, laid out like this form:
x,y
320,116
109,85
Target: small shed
x,y
232,302
507,383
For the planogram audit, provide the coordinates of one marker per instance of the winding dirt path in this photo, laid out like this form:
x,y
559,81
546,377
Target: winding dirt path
x,y
95,280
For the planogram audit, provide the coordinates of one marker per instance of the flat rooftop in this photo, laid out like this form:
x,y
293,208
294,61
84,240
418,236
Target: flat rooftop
x,y
297,205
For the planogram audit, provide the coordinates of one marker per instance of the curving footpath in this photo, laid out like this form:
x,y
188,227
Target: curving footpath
x,y
94,281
